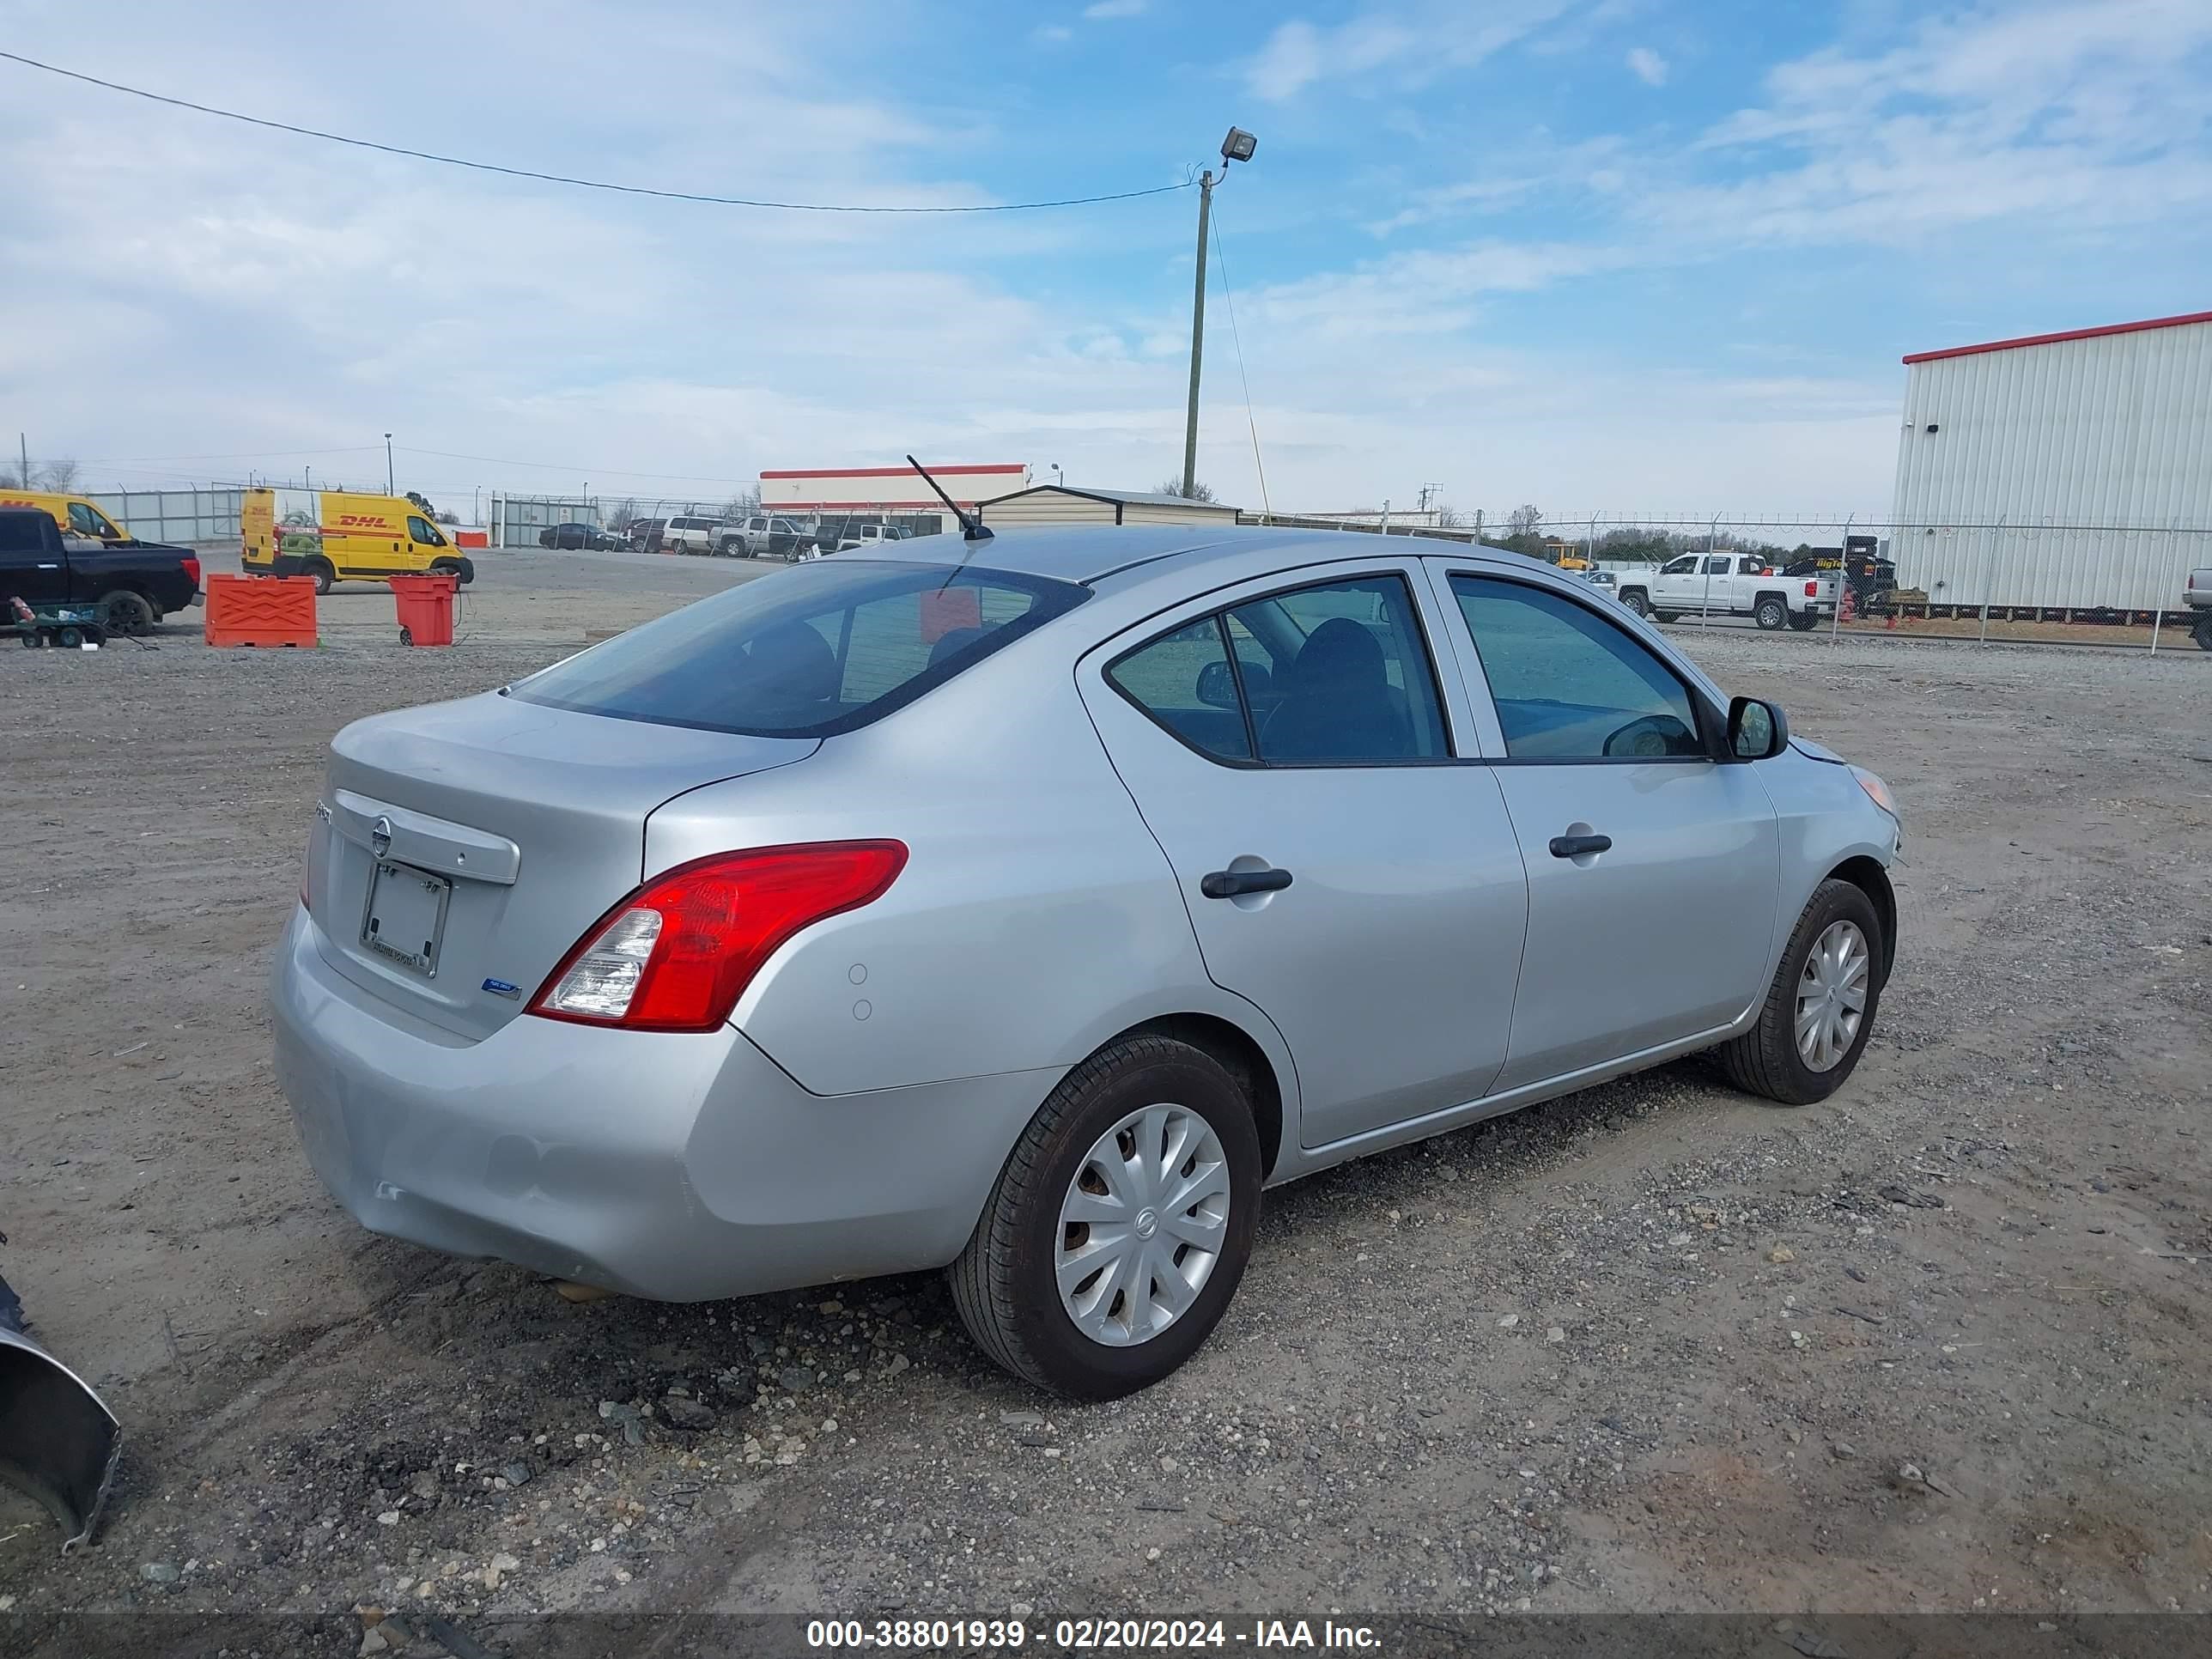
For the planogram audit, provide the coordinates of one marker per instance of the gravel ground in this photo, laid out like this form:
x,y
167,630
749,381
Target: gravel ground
x,y
1936,1344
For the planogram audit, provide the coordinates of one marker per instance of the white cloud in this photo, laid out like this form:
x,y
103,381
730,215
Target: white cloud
x,y
1100,10
1412,45
1052,34
1648,66
2080,115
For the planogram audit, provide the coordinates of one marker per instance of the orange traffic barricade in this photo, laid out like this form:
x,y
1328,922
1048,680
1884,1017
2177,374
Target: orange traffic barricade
x,y
425,609
260,610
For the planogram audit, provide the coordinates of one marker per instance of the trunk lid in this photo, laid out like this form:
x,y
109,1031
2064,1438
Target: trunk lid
x,y
502,830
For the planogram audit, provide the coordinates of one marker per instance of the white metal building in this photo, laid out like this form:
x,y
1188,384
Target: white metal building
x,y
2059,471
1067,504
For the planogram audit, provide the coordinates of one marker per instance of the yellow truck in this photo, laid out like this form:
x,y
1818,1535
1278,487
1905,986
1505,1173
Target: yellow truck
x,y
339,536
74,514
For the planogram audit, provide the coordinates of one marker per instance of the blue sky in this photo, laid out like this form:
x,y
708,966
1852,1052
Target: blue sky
x,y
1616,256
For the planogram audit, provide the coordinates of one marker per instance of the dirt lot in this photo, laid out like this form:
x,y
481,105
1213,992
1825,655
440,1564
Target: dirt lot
x,y
1656,1345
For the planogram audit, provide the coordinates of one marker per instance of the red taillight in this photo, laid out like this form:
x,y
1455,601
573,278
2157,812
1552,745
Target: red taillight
x,y
678,954
1813,590
191,568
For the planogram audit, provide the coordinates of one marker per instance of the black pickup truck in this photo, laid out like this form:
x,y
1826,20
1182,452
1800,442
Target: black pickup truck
x,y
134,584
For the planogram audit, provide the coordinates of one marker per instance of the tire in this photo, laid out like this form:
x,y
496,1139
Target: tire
x,y
1765,1060
323,573
1805,621
126,612
446,567
69,638
1004,1283
1664,616
1638,600
1771,612
406,635
2203,632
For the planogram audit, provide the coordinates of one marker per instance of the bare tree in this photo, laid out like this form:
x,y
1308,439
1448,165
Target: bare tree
x,y
1449,518
1200,490
59,473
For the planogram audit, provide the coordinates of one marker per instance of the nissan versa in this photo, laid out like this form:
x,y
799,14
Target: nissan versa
x,y
1027,905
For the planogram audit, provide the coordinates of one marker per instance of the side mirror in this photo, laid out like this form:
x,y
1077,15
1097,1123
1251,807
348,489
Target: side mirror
x,y
1756,730
1217,686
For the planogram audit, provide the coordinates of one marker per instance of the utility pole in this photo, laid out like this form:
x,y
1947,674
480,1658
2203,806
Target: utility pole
x,y
23,452
1237,147
389,487
1197,335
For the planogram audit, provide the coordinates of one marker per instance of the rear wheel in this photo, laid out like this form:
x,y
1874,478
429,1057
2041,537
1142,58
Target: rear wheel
x,y
1663,616
321,570
1120,1224
1805,622
1819,1005
126,612
1771,612
2202,631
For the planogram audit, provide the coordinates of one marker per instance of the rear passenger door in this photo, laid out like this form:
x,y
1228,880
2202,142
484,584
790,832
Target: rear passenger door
x,y
1653,866
1287,745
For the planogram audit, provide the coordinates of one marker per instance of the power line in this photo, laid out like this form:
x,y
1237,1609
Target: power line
x,y
562,178
1222,262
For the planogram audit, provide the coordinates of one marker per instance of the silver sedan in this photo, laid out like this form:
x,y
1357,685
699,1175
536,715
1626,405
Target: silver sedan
x,y
1027,908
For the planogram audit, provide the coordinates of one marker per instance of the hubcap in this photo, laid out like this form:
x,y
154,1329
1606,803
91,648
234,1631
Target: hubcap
x,y
1831,996
1143,1225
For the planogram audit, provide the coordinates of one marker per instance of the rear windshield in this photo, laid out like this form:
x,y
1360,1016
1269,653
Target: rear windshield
x,y
820,648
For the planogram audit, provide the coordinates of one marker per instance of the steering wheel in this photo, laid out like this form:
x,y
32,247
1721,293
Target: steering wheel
x,y
1655,736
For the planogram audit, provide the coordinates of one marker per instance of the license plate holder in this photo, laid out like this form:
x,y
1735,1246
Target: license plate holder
x,y
404,920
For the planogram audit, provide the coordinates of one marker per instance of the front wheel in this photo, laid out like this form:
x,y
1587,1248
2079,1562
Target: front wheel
x,y
1771,613
1120,1225
1636,600
1820,1004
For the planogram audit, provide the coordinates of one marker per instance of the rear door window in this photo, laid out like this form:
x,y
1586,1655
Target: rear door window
x,y
820,648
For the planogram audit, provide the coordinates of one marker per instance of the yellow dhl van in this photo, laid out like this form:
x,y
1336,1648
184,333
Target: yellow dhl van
x,y
336,536
74,514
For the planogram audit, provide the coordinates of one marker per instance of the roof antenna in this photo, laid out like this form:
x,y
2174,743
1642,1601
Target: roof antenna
x,y
971,529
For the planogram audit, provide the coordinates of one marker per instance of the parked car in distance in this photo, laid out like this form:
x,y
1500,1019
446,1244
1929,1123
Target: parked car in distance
x,y
1604,580
772,536
1726,584
862,537
696,533
577,535
2197,596
133,584
984,912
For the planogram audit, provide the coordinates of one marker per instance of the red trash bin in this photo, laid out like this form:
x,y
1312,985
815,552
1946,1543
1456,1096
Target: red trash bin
x,y
425,609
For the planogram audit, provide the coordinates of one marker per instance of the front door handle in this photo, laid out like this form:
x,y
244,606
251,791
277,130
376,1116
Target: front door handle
x,y
1573,846
1229,884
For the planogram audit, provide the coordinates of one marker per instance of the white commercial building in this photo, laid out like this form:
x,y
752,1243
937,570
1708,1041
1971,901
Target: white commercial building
x,y
2060,471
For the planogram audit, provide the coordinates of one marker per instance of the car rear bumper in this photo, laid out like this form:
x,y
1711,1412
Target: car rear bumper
x,y
677,1167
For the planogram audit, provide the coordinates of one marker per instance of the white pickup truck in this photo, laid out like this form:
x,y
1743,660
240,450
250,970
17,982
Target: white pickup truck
x,y
1728,585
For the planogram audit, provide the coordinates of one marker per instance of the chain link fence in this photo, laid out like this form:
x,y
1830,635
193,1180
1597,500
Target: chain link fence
x,y
195,516
2123,585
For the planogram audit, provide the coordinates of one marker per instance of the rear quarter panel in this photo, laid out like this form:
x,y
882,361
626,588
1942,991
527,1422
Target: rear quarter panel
x,y
1035,917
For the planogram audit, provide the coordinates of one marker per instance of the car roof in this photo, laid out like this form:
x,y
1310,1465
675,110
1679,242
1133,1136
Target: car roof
x,y
1119,555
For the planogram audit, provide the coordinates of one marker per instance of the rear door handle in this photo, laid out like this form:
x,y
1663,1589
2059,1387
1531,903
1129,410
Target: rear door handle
x,y
1228,884
1571,847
